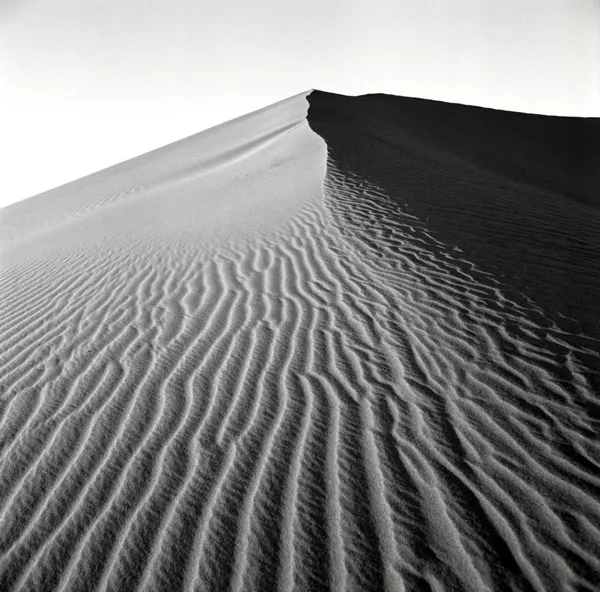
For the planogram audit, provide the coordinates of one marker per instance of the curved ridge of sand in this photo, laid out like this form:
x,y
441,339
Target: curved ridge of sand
x,y
265,358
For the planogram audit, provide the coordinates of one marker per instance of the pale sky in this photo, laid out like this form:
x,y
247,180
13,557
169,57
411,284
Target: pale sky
x,y
85,84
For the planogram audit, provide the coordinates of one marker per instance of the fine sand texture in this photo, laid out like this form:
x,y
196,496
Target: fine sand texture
x,y
341,343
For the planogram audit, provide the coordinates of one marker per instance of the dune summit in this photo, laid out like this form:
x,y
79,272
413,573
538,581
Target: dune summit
x,y
336,344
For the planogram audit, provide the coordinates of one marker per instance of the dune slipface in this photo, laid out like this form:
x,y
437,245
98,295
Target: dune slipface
x,y
357,350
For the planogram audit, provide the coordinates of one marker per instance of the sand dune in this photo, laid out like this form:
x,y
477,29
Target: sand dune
x,y
357,350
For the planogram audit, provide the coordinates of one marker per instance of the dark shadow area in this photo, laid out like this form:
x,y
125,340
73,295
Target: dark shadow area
x,y
518,194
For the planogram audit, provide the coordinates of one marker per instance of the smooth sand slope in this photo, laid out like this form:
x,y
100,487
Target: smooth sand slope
x,y
354,351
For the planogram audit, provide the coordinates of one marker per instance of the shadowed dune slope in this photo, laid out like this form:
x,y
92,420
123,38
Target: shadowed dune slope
x,y
336,344
518,193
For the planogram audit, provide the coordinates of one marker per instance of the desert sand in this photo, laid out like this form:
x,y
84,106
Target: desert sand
x,y
341,343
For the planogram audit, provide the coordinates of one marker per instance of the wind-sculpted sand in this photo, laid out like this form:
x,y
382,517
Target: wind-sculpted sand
x,y
358,351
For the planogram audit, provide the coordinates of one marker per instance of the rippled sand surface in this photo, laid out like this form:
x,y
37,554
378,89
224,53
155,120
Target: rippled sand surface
x,y
358,350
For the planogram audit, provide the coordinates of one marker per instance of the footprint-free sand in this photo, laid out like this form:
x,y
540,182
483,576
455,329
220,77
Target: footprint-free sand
x,y
341,343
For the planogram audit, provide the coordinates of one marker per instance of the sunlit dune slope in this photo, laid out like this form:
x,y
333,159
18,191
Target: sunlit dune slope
x,y
224,182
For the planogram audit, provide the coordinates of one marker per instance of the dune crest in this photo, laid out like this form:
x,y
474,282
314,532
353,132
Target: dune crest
x,y
308,352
